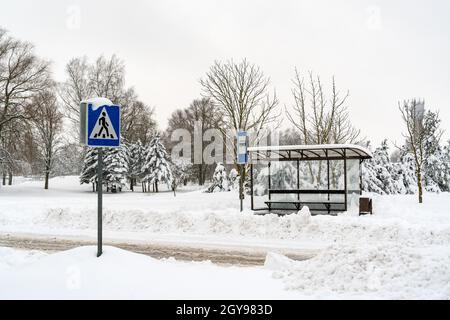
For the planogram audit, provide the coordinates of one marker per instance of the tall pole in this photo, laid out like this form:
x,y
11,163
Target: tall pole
x,y
251,185
298,179
270,182
241,186
100,200
345,179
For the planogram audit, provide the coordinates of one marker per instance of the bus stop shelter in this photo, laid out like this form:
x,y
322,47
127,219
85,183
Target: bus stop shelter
x,y
323,177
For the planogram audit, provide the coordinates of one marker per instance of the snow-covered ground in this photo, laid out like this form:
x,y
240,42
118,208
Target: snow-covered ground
x,y
402,251
119,274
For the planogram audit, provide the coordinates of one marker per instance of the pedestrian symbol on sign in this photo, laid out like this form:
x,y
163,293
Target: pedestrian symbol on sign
x,y
103,127
100,123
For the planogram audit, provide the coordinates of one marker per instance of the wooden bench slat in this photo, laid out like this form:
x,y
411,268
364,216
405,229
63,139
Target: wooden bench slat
x,y
305,202
302,191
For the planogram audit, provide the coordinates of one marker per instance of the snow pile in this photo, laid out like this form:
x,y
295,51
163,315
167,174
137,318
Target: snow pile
x,y
368,272
119,274
10,258
305,215
219,222
275,262
228,222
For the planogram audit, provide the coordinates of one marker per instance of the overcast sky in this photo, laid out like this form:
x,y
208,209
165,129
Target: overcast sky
x,y
381,51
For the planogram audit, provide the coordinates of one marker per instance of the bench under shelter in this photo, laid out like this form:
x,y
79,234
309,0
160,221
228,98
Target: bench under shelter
x,y
323,177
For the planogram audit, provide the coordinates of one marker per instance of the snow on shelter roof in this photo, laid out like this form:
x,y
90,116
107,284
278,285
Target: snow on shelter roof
x,y
310,152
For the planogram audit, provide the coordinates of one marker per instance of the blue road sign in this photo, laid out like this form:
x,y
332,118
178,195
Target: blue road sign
x,y
242,156
103,126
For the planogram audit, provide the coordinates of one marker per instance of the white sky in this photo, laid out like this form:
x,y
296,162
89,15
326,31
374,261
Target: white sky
x,y
382,51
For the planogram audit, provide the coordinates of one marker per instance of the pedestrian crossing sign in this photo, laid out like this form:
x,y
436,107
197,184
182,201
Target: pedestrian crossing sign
x,y
103,125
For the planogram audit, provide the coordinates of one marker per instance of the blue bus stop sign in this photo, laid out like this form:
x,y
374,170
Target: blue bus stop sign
x,y
103,126
242,156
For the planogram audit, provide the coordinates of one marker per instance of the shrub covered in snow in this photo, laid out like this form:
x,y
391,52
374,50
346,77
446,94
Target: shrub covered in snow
x,y
180,172
220,181
234,179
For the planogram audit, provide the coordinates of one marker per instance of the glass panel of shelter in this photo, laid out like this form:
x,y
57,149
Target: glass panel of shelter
x,y
270,177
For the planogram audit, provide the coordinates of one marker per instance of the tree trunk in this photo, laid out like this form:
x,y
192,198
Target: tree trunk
x,y
46,180
419,185
131,185
47,174
10,178
93,187
200,174
4,178
156,186
204,175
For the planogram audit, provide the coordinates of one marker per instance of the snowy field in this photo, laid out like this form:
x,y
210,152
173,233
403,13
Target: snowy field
x,y
401,252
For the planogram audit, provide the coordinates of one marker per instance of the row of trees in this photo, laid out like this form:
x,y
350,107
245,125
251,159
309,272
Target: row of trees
x,y
237,96
421,163
394,172
29,116
39,117
34,111
133,162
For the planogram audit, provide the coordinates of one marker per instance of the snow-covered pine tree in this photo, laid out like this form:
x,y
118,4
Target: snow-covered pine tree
x,y
371,182
233,178
181,169
433,172
382,176
283,175
377,171
220,181
116,168
445,160
89,170
136,157
404,173
156,168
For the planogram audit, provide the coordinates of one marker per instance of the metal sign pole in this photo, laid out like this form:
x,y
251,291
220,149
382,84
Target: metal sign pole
x,y
99,127
241,187
100,201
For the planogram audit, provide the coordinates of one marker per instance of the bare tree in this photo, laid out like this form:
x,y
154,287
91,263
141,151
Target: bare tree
x,y
319,119
138,122
421,127
203,114
76,88
48,124
12,133
22,74
103,78
241,92
107,78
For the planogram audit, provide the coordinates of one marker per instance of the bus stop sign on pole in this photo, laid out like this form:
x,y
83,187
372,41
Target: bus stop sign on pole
x,y
242,159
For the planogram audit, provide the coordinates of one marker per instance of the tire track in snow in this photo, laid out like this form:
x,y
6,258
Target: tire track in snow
x,y
245,256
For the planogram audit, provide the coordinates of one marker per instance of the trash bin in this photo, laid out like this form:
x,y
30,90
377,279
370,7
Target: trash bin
x,y
365,206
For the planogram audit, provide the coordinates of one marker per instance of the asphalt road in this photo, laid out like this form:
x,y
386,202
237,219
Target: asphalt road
x,y
243,256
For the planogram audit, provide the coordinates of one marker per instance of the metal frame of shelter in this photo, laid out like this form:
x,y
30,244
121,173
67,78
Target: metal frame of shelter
x,y
299,153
